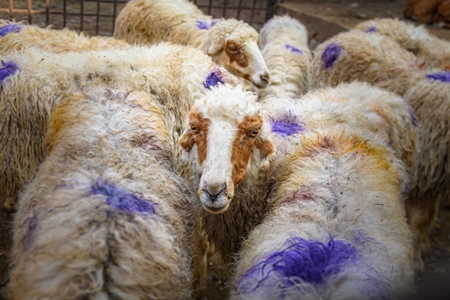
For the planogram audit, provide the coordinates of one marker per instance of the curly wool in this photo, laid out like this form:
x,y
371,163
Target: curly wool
x,y
105,216
416,39
381,61
18,36
284,46
181,22
341,185
27,99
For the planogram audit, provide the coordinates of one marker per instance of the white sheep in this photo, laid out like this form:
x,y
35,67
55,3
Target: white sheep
x,y
336,227
377,59
107,216
19,35
230,43
284,46
416,39
34,81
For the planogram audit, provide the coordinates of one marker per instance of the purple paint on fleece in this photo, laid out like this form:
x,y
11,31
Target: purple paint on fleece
x,y
267,23
7,69
122,200
31,224
7,29
330,55
310,261
287,126
441,76
371,29
213,79
293,49
414,120
203,25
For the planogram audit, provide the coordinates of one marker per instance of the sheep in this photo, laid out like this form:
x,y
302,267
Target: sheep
x,y
336,227
231,43
19,35
34,81
356,55
107,216
284,46
232,160
416,39
426,11
282,258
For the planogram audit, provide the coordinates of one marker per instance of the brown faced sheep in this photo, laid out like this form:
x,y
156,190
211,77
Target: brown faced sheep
x,y
106,216
230,43
379,60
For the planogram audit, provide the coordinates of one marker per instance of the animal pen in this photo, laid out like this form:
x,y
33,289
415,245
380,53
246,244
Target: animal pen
x,y
97,17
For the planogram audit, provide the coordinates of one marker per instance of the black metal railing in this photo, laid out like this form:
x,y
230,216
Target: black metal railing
x,y
97,17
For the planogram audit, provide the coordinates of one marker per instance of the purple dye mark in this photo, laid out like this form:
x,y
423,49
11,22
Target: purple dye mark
x,y
330,55
7,29
441,76
213,79
203,25
122,200
287,126
371,29
414,120
311,261
31,224
266,24
293,49
7,69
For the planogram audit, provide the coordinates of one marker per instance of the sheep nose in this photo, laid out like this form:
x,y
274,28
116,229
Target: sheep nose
x,y
215,190
265,79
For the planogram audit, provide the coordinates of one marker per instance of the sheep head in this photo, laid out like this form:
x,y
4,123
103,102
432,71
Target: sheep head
x,y
225,136
234,45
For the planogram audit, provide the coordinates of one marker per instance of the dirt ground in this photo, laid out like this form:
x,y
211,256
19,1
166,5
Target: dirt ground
x,y
322,21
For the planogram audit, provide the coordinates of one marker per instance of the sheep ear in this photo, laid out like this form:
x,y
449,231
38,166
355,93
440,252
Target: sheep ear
x,y
265,147
187,140
215,46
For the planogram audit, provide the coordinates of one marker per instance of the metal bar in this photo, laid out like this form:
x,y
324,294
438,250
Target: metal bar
x,y
209,7
11,9
253,11
30,6
64,13
239,9
47,11
98,17
224,14
81,15
21,11
114,16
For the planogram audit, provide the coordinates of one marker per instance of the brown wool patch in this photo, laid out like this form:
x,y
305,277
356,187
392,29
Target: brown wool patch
x,y
246,136
196,134
235,53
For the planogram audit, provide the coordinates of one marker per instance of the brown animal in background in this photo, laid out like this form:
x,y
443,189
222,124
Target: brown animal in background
x,y
429,11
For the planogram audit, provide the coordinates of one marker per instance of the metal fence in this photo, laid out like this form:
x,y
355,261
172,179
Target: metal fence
x,y
97,17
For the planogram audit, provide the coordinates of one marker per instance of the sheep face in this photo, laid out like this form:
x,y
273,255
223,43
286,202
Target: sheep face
x,y
237,50
226,138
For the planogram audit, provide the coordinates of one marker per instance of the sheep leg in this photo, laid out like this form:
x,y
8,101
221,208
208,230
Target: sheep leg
x,y
200,269
422,216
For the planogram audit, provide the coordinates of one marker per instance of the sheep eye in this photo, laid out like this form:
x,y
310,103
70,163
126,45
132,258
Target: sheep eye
x,y
193,128
254,133
232,48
